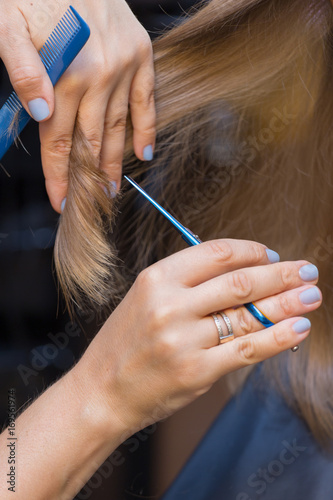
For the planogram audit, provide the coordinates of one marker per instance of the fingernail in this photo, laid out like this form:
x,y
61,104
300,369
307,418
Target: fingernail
x,y
272,256
63,203
309,272
310,296
39,109
302,325
112,191
148,153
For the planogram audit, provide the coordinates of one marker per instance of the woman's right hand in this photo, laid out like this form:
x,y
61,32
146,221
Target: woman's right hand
x,y
160,349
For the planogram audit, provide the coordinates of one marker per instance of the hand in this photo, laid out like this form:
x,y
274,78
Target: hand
x,y
159,349
113,70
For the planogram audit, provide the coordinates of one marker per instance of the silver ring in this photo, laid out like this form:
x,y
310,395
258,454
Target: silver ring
x,y
227,322
223,338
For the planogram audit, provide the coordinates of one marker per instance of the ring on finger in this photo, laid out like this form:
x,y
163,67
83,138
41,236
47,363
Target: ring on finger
x,y
263,319
223,338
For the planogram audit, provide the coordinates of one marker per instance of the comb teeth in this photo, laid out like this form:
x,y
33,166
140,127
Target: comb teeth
x,y
55,46
13,102
59,39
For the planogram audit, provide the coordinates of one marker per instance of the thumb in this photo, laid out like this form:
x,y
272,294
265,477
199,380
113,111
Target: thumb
x,y
27,73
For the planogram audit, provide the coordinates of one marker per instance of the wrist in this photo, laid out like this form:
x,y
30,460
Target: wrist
x,y
75,436
94,387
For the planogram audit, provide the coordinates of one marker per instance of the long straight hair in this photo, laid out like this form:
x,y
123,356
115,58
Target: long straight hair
x,y
244,97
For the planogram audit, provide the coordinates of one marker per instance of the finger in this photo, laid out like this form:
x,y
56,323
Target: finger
x,y
91,117
247,285
26,70
203,262
143,114
277,308
114,134
285,305
253,348
56,143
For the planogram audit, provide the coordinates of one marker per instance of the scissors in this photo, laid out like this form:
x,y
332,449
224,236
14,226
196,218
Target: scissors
x,y
192,239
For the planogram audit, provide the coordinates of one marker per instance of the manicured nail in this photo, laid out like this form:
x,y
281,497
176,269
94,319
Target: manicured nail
x,y
148,153
309,272
272,256
310,296
39,109
112,191
302,325
63,203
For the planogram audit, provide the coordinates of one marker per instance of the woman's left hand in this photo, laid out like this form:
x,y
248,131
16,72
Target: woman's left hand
x,y
112,72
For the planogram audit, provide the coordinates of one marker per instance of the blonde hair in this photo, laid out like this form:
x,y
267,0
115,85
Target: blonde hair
x,y
244,103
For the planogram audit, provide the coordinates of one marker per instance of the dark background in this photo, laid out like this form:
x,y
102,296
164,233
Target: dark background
x,y
31,309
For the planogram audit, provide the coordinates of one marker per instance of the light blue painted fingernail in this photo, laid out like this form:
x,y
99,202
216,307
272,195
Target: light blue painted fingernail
x,y
63,203
112,191
302,325
272,256
148,153
39,109
310,296
309,272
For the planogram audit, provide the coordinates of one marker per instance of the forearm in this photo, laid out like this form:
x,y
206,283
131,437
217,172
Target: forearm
x,y
62,439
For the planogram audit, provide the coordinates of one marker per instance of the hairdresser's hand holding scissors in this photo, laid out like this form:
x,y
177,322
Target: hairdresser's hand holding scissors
x,y
160,348
158,351
113,71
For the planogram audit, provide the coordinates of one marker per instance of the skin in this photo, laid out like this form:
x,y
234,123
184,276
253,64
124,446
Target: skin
x,y
113,73
157,352
134,372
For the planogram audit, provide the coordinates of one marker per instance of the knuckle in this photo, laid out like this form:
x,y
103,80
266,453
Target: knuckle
x,y
25,79
257,252
286,275
59,180
128,58
100,66
144,45
161,316
240,285
247,350
221,250
245,321
61,146
149,278
71,82
143,93
139,95
105,75
281,337
148,84
148,132
116,124
111,167
95,144
286,306
165,349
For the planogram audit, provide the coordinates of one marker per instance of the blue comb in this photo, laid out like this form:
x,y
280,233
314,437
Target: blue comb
x,y
192,239
59,51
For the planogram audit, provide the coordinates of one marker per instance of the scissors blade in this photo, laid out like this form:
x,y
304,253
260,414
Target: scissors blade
x,y
187,235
